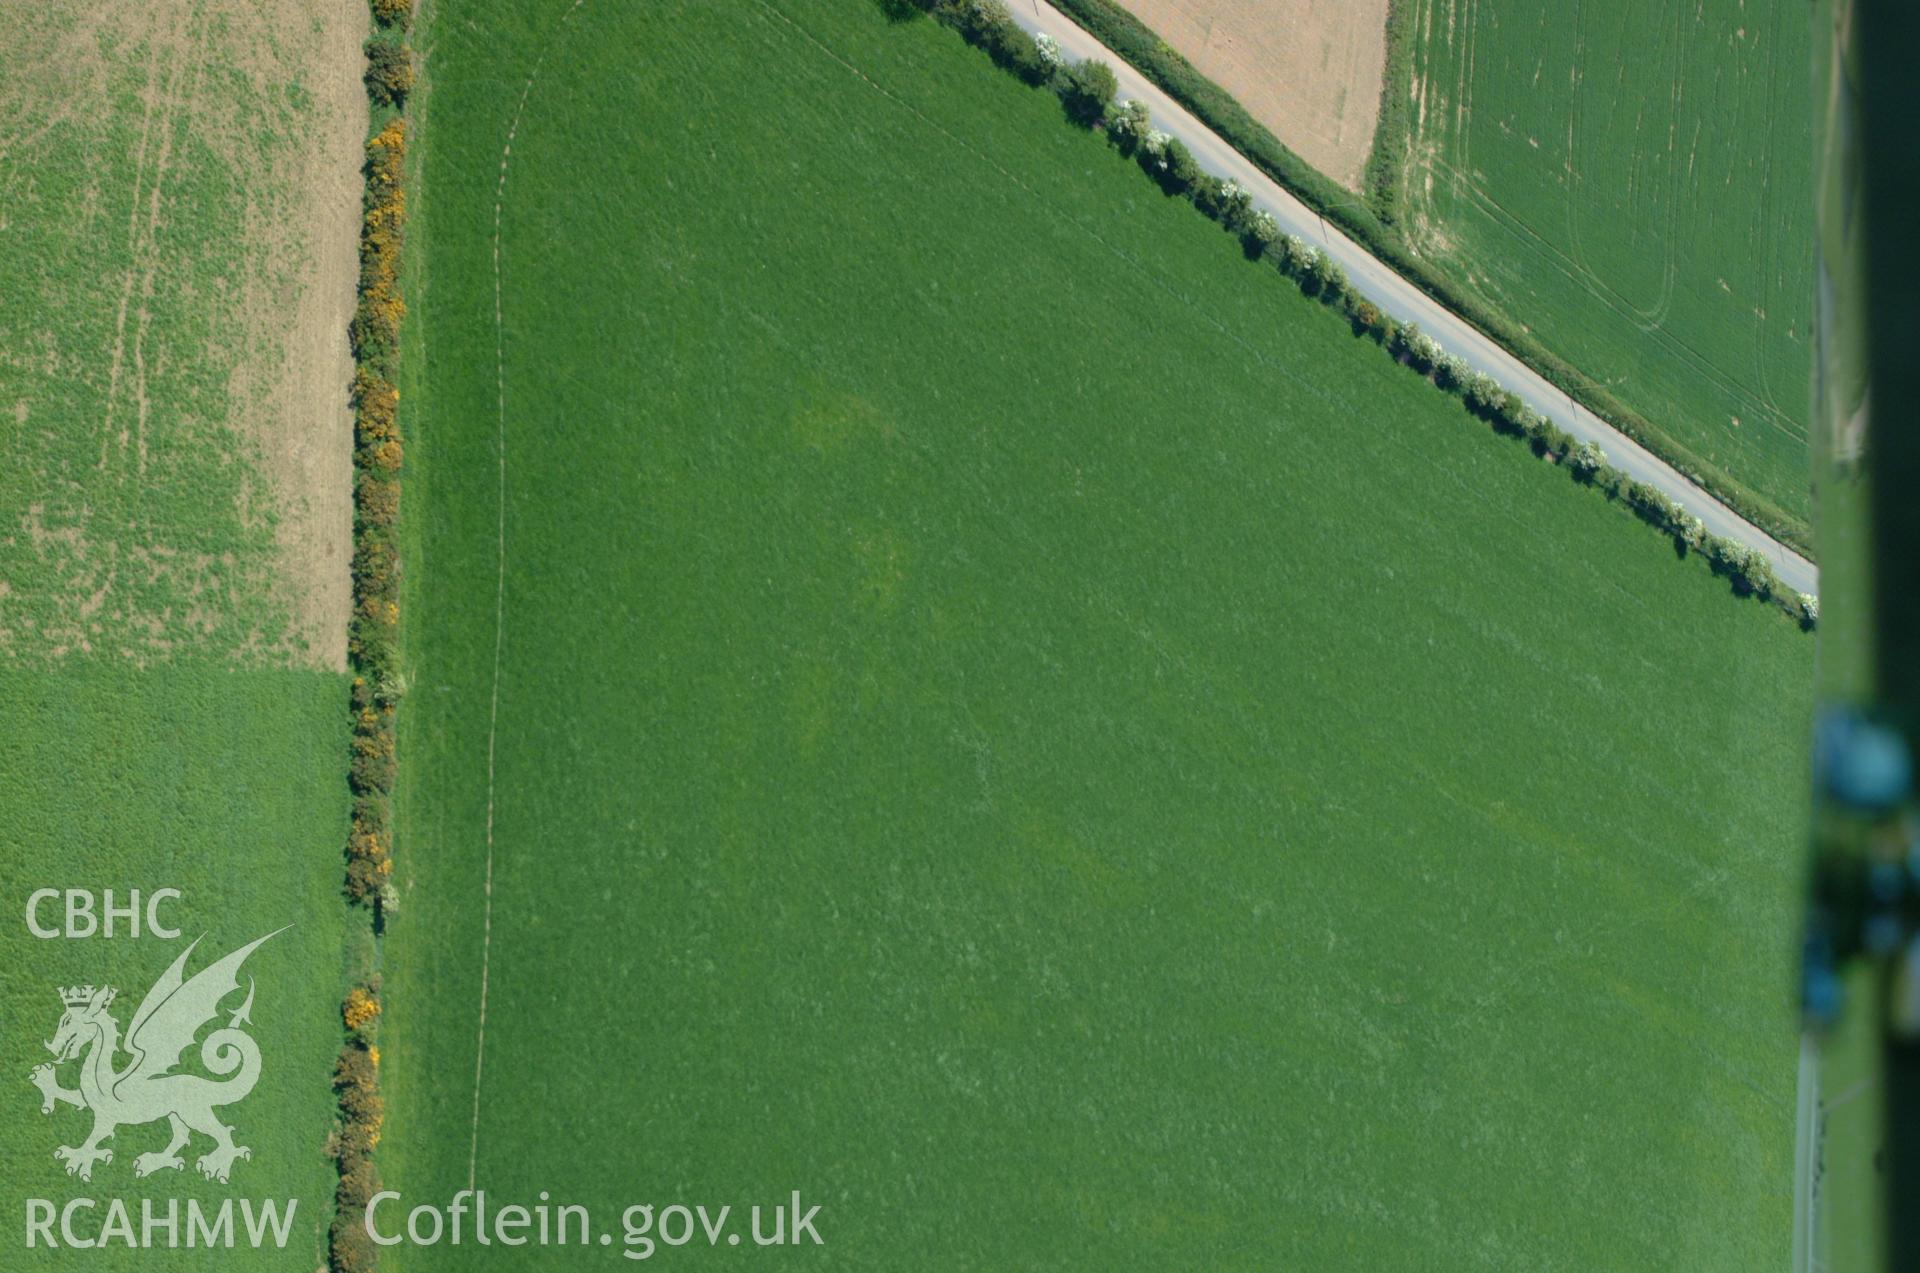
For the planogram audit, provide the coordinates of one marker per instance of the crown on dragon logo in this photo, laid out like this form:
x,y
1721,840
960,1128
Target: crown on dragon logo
x,y
81,996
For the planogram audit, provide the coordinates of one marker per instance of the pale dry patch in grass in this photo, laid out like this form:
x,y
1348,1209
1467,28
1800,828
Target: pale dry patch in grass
x,y
292,399
1310,70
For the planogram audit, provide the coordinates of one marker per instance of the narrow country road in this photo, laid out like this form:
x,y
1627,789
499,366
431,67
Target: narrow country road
x,y
1406,302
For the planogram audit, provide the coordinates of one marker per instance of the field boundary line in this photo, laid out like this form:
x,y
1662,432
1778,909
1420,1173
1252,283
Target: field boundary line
x,y
499,592
374,647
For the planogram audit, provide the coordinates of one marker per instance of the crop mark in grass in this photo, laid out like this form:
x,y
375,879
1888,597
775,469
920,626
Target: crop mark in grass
x,y
500,589
1176,675
1456,471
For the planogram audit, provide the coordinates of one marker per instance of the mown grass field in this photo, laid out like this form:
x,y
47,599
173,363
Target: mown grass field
x,y
1634,182
160,722
1012,723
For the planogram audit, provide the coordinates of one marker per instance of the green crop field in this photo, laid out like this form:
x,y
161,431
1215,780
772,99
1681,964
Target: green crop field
x,y
1634,182
163,723
1007,720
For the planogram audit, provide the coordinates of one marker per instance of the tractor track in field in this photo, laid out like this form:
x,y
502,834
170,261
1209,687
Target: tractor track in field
x,y
500,590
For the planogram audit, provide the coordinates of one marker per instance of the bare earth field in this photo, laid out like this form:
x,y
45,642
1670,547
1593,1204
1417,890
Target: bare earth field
x,y
179,199
1310,70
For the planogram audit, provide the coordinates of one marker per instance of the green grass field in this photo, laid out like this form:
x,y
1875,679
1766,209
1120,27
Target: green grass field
x,y
1014,724
1634,181
150,736
226,785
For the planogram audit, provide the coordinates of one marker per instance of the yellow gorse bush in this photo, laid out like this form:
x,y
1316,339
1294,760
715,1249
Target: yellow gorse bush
x,y
360,1009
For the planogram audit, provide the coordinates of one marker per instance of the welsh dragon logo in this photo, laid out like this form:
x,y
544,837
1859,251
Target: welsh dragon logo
x,y
146,1088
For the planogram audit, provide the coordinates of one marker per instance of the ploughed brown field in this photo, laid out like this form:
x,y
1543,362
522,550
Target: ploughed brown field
x,y
1310,70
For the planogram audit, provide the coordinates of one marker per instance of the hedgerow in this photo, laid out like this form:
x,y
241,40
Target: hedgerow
x,y
1086,90
374,629
356,1086
990,24
389,72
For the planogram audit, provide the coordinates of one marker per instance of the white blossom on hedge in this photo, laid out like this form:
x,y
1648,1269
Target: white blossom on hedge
x,y
1049,50
1758,569
1588,458
1425,348
1263,227
1810,607
1691,529
1155,142
1480,389
1129,118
